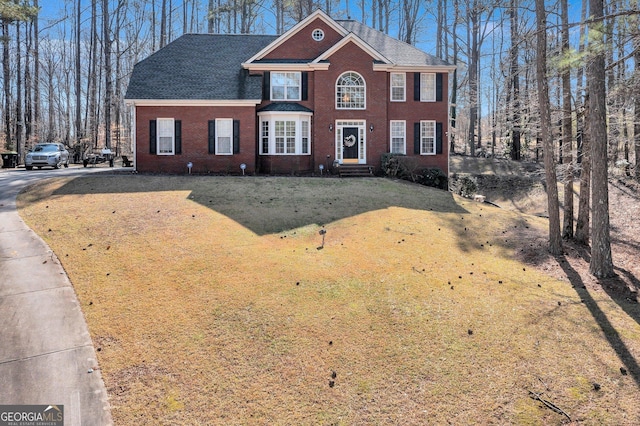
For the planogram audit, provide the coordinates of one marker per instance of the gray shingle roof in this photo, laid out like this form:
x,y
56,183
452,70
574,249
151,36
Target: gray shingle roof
x,y
285,107
399,52
200,67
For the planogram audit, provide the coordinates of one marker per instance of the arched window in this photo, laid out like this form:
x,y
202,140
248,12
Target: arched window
x,y
350,91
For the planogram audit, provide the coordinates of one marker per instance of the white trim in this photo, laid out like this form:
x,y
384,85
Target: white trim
x,y
362,133
323,66
358,42
191,102
414,68
294,30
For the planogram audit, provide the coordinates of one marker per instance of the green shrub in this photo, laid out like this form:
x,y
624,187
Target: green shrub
x,y
433,177
402,167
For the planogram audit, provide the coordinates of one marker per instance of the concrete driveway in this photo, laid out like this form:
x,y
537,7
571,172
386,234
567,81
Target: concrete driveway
x,y
46,354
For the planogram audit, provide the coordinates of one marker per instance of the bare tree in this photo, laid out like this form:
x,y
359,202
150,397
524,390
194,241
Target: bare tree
x,y
514,92
555,240
583,148
106,42
601,264
567,127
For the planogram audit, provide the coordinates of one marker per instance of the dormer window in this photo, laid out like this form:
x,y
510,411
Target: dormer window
x,y
286,86
317,34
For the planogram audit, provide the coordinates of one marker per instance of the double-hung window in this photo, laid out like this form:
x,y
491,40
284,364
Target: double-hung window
x,y
224,136
286,86
427,87
165,136
398,87
427,137
398,137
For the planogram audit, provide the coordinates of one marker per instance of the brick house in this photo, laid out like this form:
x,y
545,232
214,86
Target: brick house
x,y
326,92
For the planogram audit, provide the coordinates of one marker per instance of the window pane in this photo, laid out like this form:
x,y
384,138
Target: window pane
x,y
291,137
164,128
398,87
427,87
350,91
224,136
286,86
279,134
428,137
265,137
305,137
398,137
165,145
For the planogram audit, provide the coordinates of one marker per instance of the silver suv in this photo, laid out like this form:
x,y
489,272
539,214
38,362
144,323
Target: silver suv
x,y
47,154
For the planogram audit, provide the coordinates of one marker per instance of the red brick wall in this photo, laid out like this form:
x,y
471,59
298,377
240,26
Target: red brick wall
x,y
195,140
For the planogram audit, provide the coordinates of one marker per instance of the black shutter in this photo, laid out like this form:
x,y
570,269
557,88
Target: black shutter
x,y
266,86
178,135
438,138
236,136
416,86
152,137
416,138
439,87
212,136
305,85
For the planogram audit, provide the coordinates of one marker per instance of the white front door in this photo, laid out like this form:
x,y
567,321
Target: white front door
x,y
351,142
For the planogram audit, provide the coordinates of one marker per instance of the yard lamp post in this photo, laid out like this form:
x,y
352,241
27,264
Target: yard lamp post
x,y
321,167
243,167
189,166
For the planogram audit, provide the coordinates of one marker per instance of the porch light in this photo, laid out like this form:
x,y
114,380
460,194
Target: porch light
x,y
331,127
371,128
243,167
189,166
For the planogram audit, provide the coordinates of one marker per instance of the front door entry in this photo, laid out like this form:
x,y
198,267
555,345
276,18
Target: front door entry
x,y
350,143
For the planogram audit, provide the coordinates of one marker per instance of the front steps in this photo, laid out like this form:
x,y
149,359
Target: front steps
x,y
355,170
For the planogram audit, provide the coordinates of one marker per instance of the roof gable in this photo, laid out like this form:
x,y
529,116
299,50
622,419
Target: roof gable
x,y
352,38
292,32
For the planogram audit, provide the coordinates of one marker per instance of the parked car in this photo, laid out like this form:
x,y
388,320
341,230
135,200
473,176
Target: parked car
x,y
47,154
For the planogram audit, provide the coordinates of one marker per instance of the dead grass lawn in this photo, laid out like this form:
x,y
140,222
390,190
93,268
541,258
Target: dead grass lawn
x,y
211,300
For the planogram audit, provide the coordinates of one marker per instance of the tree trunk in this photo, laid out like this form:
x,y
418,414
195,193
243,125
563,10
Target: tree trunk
x,y
515,84
473,76
636,102
567,129
107,73
601,264
19,88
78,74
582,223
7,86
555,240
583,147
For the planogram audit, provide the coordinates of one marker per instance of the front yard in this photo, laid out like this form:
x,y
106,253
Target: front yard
x,y
216,300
